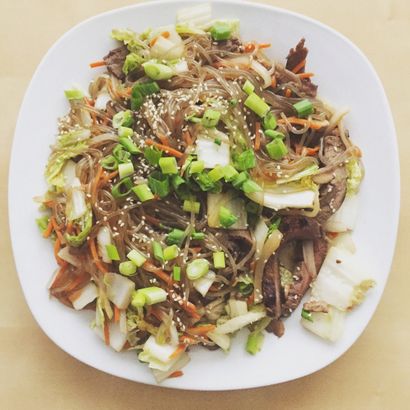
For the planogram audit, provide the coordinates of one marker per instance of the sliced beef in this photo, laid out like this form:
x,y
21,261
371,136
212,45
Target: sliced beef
x,y
309,88
276,327
296,56
238,241
233,45
295,229
115,60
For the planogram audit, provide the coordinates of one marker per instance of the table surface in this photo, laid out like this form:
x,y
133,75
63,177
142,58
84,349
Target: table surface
x,y
373,374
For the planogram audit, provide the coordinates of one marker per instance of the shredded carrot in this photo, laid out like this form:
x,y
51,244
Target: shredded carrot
x,y
91,103
164,139
305,75
274,82
107,177
177,373
106,333
165,34
48,204
69,227
76,282
96,259
288,92
310,151
264,45
257,143
57,229
201,330
315,125
48,230
250,299
180,349
190,308
164,148
98,63
195,249
332,235
116,314
299,66
57,247
188,340
249,47
153,41
187,138
158,272
58,276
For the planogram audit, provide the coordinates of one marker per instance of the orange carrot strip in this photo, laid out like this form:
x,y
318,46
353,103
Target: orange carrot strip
x,y
57,229
274,82
106,333
165,34
177,373
69,227
250,299
257,143
310,151
180,349
288,92
94,254
96,182
99,63
189,308
164,148
164,139
332,235
299,66
249,47
315,125
188,340
49,204
158,272
49,229
264,45
107,177
116,314
201,330
306,75
58,276
153,41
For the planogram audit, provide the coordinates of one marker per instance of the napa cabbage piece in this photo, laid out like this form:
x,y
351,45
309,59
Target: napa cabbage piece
x,y
131,39
233,203
212,154
203,284
344,219
355,175
236,308
119,289
328,325
85,222
194,18
308,171
84,296
117,337
239,322
222,340
342,281
260,232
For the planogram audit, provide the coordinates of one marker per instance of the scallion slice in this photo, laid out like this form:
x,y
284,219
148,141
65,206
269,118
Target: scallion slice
x,y
257,105
250,186
230,173
175,237
168,165
219,260
221,31
157,71
248,87
109,162
122,119
217,173
136,257
191,206
211,118
274,134
129,145
176,273
226,217
152,155
125,132
157,251
269,121
127,268
159,184
276,149
171,252
143,192
197,268
196,167
122,188
112,252
303,108
245,160
125,169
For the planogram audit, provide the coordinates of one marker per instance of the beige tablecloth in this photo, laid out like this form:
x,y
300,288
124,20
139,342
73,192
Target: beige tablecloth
x,y
373,374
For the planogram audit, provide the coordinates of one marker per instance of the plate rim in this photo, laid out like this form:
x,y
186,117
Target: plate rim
x,y
395,184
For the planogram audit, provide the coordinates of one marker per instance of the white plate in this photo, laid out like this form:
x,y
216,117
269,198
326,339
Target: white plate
x,y
345,77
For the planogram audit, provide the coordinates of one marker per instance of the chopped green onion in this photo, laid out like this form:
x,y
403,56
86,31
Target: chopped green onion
x,y
196,167
159,184
112,252
274,134
205,182
175,237
307,315
250,186
257,105
73,94
122,119
233,102
143,192
217,173
248,87
140,91
221,31
246,289
269,121
109,162
131,63
211,118
197,268
125,169
120,154
219,260
217,141
254,343
137,299
127,268
274,225
176,273
122,188
157,251
197,236
137,100
303,108
171,252
125,132
191,206
153,295
157,71
230,173
152,155
240,179
226,217
245,160
136,257
168,165
193,118
276,149
180,186
129,145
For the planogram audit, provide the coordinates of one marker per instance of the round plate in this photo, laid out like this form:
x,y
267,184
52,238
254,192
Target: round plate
x,y
345,77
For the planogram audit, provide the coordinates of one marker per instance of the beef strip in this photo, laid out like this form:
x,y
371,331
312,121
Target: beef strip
x,y
294,228
238,241
233,45
276,327
115,60
296,56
